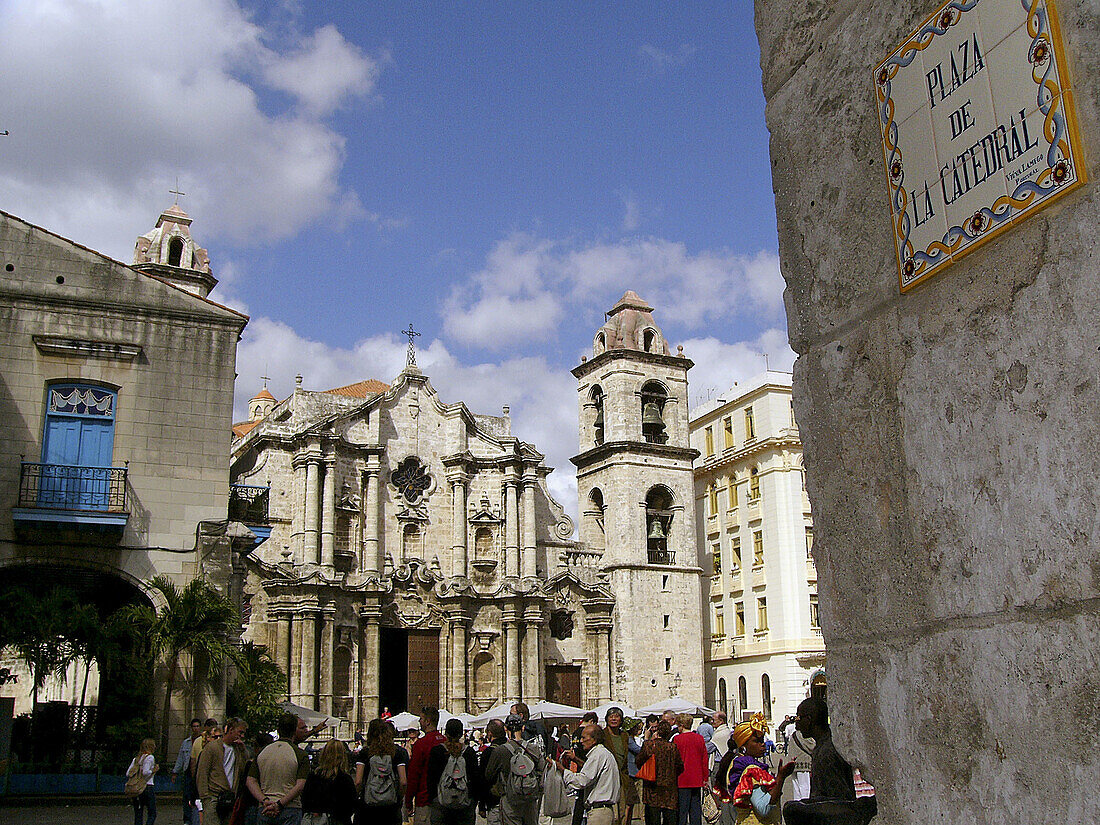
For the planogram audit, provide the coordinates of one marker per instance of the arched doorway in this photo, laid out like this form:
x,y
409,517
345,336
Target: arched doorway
x,y
59,622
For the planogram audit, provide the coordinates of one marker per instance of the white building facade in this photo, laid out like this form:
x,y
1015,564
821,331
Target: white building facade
x,y
754,532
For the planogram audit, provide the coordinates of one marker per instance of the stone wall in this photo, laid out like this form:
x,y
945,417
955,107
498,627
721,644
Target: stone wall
x,y
949,440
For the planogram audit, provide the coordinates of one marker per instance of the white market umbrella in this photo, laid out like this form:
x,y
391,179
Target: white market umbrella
x,y
500,712
677,705
553,710
602,710
406,721
311,717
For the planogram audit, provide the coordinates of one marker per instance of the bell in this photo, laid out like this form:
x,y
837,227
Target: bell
x,y
651,415
656,531
599,419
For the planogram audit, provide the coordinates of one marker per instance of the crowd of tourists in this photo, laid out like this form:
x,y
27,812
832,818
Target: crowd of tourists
x,y
515,772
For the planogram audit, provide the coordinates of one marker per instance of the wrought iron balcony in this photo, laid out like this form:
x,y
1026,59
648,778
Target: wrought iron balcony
x,y
65,487
69,494
248,504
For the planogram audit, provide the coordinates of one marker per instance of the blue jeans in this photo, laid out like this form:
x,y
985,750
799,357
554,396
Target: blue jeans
x,y
287,816
691,806
146,799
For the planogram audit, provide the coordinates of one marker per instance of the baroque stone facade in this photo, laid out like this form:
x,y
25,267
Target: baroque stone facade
x,y
411,535
415,554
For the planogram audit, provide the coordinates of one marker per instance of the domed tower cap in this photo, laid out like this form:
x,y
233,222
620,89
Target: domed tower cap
x,y
630,300
630,326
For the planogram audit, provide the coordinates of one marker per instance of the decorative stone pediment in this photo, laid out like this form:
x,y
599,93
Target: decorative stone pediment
x,y
413,513
484,513
411,609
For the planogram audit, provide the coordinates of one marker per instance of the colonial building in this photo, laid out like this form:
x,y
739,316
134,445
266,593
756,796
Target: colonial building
x,y
637,503
415,556
117,390
765,650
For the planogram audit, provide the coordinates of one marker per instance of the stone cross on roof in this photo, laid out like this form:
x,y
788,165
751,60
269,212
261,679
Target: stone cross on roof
x,y
410,359
176,191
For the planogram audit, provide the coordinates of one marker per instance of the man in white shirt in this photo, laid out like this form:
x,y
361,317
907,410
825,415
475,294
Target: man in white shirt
x,y
720,738
599,776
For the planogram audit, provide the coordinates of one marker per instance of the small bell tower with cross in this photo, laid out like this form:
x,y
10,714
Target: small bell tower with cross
x,y
636,493
169,252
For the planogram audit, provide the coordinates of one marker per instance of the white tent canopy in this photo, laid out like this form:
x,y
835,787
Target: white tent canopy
x,y
411,721
311,717
553,710
602,710
405,721
677,705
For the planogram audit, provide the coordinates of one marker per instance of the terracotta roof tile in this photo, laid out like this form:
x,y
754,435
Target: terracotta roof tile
x,y
244,428
360,389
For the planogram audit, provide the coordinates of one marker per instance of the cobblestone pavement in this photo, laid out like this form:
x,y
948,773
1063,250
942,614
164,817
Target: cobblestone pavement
x,y
76,814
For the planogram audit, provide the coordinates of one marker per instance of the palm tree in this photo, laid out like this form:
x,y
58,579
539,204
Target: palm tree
x,y
259,690
196,620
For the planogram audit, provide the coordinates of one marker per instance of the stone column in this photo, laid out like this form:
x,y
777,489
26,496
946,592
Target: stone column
x,y
294,657
312,545
532,655
608,666
459,692
282,641
297,535
444,662
370,562
511,525
511,658
368,693
328,516
599,653
307,659
458,519
328,647
529,532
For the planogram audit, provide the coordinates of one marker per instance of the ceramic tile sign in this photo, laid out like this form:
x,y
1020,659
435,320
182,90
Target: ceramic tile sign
x,y
978,129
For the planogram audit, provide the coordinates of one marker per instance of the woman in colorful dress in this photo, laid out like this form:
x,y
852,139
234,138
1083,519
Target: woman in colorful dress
x,y
742,781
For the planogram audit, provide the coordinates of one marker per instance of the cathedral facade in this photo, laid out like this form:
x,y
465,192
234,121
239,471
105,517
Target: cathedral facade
x,y
412,553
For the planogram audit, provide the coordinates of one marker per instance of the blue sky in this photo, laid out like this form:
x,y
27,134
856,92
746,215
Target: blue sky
x,y
495,174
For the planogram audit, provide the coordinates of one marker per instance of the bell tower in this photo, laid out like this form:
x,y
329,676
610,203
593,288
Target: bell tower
x,y
637,503
170,253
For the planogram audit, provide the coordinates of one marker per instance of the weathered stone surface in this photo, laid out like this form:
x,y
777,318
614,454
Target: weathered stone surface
x,y
948,438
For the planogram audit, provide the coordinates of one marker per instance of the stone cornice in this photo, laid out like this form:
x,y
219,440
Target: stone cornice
x,y
733,456
99,308
611,448
677,361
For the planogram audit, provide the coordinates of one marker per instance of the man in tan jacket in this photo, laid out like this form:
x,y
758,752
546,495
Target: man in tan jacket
x,y
218,772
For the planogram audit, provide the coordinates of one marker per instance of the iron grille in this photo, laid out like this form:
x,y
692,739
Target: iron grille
x,y
248,504
68,487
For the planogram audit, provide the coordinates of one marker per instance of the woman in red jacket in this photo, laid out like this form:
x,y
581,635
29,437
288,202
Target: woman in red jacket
x,y
693,751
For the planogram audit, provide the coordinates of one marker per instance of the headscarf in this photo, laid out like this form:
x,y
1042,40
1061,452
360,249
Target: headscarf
x,y
744,732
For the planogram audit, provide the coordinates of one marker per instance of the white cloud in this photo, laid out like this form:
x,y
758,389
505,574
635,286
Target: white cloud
x,y
530,284
107,102
718,365
632,212
661,59
542,398
323,71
